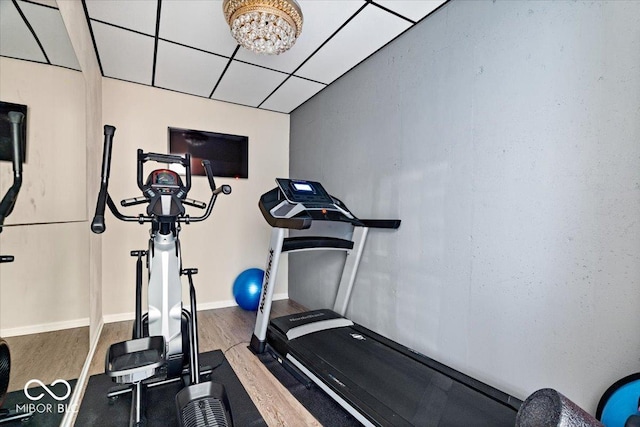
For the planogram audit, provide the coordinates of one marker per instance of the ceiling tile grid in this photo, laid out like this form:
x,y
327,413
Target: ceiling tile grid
x,y
371,29
16,39
187,70
247,84
35,32
50,30
197,23
293,92
123,54
135,15
186,45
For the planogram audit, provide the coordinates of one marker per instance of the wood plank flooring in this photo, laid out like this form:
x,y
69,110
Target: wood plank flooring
x,y
61,354
47,356
230,329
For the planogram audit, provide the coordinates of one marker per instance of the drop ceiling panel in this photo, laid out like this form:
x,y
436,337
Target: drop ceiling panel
x,y
50,3
414,10
367,32
49,27
137,15
188,47
321,20
124,54
291,94
197,23
247,84
16,41
204,69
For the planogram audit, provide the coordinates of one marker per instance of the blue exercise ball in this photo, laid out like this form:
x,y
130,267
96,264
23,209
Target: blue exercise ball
x,y
620,402
247,288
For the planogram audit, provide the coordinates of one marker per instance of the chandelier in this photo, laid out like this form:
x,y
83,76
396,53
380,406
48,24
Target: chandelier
x,y
264,26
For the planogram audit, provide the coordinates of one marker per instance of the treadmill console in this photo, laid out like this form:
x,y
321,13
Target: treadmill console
x,y
295,203
306,192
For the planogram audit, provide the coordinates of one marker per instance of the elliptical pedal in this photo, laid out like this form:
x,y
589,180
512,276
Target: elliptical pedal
x,y
203,405
135,360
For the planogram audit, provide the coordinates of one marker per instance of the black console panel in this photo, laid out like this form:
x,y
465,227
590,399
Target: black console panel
x,y
299,191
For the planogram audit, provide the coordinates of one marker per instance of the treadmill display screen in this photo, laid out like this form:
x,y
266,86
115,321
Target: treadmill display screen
x,y
302,191
298,186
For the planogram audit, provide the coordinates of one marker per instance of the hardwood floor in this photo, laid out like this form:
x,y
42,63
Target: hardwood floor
x,y
61,354
229,329
47,356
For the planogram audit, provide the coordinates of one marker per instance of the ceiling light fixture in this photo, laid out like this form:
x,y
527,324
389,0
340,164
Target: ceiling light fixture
x,y
264,26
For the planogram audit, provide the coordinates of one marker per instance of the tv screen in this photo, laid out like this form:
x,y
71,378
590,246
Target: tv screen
x,y
228,154
6,147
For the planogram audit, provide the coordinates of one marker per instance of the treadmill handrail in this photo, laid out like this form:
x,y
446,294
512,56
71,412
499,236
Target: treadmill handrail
x,y
291,223
381,223
292,244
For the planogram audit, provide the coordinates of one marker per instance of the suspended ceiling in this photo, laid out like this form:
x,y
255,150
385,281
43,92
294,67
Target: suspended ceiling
x,y
185,45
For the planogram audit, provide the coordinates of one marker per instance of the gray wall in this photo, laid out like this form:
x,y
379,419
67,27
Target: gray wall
x,y
506,136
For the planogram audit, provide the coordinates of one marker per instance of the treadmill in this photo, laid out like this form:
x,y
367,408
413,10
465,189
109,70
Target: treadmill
x,y
378,381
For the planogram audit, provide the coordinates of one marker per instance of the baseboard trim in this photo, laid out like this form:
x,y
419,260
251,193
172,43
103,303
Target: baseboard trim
x,y
45,327
121,317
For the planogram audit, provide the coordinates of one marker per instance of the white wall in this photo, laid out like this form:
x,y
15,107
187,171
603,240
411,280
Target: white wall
x,y
53,188
505,135
46,287
236,236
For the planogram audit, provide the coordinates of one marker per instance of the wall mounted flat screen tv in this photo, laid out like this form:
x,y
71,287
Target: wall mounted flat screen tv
x,y
229,154
6,147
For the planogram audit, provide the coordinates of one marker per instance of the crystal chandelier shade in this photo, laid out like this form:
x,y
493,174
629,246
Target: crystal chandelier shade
x,y
264,26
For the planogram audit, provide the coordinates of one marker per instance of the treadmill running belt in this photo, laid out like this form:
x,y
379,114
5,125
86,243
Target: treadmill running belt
x,y
371,375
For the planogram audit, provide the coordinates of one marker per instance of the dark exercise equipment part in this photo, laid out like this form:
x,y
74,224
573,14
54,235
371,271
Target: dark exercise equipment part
x,y
6,207
9,199
549,408
164,348
378,381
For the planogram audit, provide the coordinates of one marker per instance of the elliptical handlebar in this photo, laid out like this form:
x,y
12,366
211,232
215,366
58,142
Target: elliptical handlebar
x,y
104,199
226,189
206,164
98,225
164,158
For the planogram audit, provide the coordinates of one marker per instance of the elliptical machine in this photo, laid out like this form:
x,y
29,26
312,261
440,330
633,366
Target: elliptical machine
x,y
164,347
6,207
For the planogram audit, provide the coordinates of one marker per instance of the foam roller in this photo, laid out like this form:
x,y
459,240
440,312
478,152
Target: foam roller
x,y
548,408
633,421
